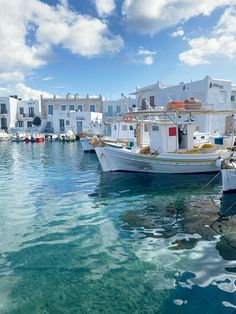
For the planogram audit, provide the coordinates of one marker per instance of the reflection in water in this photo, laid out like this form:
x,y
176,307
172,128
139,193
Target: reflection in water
x,y
77,240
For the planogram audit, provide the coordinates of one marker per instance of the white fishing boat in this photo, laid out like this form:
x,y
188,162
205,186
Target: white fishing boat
x,y
171,150
228,173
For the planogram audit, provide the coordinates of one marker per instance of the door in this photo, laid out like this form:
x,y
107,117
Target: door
x,y
4,123
79,126
62,125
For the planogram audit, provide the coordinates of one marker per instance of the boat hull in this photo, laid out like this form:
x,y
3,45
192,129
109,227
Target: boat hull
x,y
86,145
120,159
229,180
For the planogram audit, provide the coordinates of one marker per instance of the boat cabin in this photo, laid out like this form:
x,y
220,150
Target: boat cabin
x,y
167,136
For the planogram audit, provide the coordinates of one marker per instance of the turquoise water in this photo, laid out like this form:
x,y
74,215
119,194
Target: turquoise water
x,y
76,240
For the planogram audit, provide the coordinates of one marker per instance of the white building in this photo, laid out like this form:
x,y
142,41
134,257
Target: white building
x,y
27,110
75,121
71,113
213,93
112,108
8,112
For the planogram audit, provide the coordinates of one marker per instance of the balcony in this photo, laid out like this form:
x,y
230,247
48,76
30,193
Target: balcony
x,y
3,111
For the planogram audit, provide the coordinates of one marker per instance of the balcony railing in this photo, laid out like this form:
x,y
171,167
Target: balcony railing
x,y
3,111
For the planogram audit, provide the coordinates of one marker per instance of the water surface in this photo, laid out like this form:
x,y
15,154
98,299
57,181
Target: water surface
x,y
76,240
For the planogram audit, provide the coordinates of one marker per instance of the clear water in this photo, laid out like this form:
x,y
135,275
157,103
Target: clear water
x,y
76,240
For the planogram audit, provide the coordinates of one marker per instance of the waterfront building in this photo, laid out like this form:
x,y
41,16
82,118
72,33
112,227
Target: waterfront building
x,y
8,112
113,108
27,110
70,113
213,93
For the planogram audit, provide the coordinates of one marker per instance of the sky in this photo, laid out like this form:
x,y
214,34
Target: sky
x,y
109,47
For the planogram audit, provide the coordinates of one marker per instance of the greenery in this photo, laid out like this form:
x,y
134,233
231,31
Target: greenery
x,y
37,121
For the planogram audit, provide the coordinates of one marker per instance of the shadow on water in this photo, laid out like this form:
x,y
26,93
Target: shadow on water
x,y
136,183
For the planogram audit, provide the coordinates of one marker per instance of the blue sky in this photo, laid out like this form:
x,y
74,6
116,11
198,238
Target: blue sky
x,y
109,47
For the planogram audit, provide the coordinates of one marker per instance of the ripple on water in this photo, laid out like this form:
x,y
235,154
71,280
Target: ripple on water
x,y
79,240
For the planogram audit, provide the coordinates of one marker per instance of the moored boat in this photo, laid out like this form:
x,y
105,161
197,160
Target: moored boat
x,y
228,172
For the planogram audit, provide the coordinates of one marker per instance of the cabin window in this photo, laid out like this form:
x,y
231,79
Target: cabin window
x,y
124,127
131,128
146,128
155,127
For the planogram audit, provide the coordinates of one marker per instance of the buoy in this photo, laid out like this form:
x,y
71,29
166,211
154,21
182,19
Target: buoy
x,y
218,162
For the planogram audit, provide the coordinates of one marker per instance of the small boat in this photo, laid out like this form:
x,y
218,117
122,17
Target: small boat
x,y
228,172
18,137
171,150
67,137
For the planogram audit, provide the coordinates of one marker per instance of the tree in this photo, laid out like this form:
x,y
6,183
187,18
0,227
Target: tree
x,y
36,121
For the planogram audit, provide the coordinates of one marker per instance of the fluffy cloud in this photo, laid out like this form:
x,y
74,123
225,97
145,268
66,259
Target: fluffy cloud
x,y
221,41
105,7
178,33
28,33
142,56
152,16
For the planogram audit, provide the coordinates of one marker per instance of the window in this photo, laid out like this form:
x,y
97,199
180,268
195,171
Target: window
x,y
29,124
151,101
63,107
118,109
124,127
144,106
20,124
155,127
92,108
50,110
110,110
131,128
145,127
115,127
71,107
21,110
62,125
67,122
80,108
31,111
232,98
3,108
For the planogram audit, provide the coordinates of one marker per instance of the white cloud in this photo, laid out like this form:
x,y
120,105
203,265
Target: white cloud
x,y
29,31
11,76
178,33
26,92
152,16
47,78
142,56
105,7
221,41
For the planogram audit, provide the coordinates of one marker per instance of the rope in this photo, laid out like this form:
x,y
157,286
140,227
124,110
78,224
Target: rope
x,y
210,181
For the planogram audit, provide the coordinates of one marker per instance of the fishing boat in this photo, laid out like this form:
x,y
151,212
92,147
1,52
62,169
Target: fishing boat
x,y
67,137
171,150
